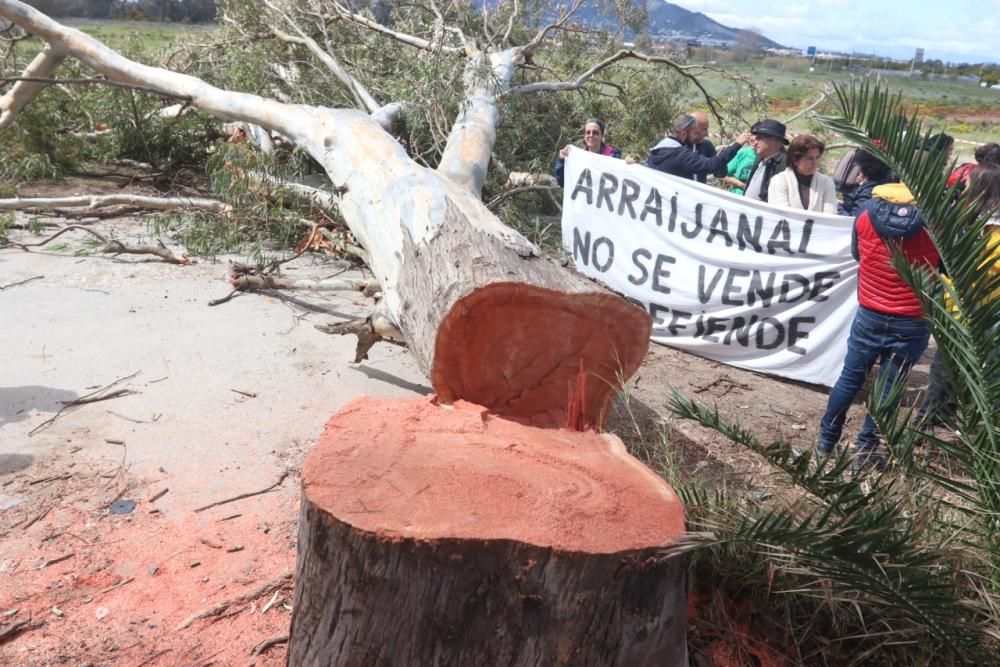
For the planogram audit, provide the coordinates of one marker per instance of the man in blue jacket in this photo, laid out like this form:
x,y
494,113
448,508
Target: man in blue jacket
x,y
674,155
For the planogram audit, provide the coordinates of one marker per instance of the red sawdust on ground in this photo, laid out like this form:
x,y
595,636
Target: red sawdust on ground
x,y
133,578
721,631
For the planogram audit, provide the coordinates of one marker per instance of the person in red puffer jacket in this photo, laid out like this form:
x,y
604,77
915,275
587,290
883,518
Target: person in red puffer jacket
x,y
889,325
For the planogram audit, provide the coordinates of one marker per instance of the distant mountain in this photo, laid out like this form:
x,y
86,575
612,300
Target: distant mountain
x,y
667,20
670,22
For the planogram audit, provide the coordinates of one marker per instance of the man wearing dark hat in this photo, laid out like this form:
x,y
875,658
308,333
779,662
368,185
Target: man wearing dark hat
x,y
769,141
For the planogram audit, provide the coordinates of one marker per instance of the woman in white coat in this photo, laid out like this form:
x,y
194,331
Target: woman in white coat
x,y
801,185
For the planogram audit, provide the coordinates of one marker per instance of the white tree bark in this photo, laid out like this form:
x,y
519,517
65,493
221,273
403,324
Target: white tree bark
x,y
488,318
22,92
101,201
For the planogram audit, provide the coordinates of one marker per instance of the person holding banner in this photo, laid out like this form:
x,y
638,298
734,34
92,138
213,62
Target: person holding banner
x,y
801,185
769,141
888,326
593,141
675,154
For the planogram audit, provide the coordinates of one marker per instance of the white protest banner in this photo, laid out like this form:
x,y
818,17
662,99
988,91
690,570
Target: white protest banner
x,y
756,286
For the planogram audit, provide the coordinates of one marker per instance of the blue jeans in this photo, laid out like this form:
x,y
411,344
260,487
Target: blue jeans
x,y
896,343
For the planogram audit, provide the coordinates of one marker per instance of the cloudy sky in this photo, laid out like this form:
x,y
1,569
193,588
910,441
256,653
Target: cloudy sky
x,y
948,30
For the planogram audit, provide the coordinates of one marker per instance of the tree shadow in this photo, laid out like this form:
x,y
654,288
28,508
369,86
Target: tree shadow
x,y
382,376
19,403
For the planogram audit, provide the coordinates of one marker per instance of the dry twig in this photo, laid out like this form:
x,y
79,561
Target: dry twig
x,y
281,479
20,282
221,608
84,400
268,643
113,247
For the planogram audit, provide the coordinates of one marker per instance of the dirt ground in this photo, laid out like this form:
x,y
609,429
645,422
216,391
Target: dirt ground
x,y
107,556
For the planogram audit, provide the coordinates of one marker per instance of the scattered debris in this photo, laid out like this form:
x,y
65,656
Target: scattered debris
x,y
53,561
210,543
114,442
248,394
20,282
152,570
194,563
156,496
231,516
57,611
17,627
233,549
268,643
281,479
92,397
121,507
101,612
121,583
270,603
222,607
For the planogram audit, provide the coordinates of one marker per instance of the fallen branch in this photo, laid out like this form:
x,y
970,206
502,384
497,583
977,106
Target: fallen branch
x,y
518,190
53,561
127,580
21,282
248,282
222,607
369,331
268,643
245,495
17,627
80,401
92,202
118,393
113,247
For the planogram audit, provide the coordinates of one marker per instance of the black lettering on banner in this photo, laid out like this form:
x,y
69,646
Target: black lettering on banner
x,y
807,229
705,292
745,235
630,193
611,254
761,337
675,318
653,205
584,184
654,312
639,280
741,329
781,237
787,287
585,252
672,225
696,229
607,186
659,271
823,281
795,335
720,227
712,327
757,289
730,292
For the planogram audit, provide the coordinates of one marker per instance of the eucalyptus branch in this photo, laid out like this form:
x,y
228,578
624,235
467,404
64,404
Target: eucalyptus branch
x,y
96,81
410,40
687,71
540,36
361,95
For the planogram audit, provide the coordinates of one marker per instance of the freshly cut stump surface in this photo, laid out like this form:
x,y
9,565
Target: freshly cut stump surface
x,y
443,535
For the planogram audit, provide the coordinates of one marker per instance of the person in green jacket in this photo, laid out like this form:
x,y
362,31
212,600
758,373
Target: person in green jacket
x,y
738,169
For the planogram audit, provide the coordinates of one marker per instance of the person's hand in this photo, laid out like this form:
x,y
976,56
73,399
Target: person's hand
x,y
631,159
564,152
744,138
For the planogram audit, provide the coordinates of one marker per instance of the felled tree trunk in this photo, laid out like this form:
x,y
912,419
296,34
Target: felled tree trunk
x,y
444,535
487,317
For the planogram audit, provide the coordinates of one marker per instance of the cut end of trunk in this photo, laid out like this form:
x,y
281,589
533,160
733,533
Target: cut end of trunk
x,y
516,349
414,469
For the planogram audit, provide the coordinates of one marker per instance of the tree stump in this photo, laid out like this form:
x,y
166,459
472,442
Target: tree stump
x,y
444,535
